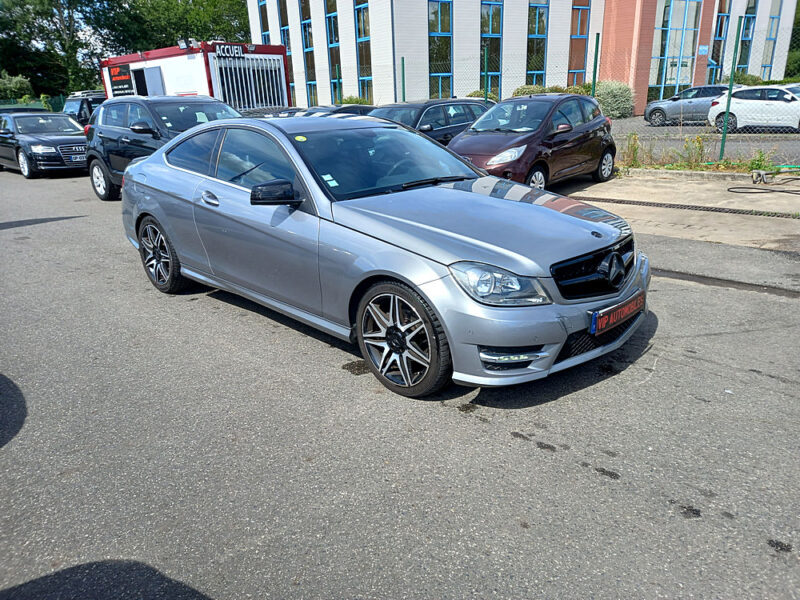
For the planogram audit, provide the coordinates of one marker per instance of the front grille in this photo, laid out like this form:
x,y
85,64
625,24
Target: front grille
x,y
70,150
578,277
581,342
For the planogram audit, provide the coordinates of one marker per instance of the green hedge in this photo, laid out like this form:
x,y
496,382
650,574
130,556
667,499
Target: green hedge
x,y
479,94
615,98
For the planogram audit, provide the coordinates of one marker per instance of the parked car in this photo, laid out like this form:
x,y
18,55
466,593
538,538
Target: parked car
x,y
22,108
353,109
348,225
540,139
81,105
129,127
440,120
771,106
36,142
690,105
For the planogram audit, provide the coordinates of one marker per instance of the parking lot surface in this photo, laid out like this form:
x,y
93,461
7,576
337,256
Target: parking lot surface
x,y
200,446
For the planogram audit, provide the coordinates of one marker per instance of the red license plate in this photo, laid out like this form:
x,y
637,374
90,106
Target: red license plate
x,y
608,318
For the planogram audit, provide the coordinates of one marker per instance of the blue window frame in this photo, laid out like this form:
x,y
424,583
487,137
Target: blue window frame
x,y
440,48
772,39
363,51
578,42
674,48
307,34
283,26
538,14
334,57
719,40
264,21
746,47
492,44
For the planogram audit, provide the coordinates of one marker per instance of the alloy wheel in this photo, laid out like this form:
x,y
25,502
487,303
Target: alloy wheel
x,y
157,257
24,167
397,340
537,180
98,180
658,118
607,166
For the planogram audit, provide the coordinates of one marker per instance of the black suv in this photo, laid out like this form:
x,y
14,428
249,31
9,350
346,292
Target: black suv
x,y
130,127
81,105
440,120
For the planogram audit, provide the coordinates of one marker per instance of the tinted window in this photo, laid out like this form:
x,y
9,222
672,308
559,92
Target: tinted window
x,y
572,111
72,106
477,109
194,154
458,115
138,113
114,114
47,123
513,116
591,109
406,116
248,158
690,93
433,116
748,95
775,94
4,124
711,92
795,90
180,116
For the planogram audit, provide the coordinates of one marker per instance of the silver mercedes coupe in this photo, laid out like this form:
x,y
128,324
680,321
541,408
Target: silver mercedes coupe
x,y
375,234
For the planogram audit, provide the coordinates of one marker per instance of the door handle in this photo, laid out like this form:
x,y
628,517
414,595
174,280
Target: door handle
x,y
209,198
125,139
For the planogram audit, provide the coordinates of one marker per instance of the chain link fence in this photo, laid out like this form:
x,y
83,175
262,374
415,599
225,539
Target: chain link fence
x,y
54,103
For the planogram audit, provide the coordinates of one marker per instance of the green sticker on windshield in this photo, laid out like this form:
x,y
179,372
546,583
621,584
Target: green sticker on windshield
x,y
300,138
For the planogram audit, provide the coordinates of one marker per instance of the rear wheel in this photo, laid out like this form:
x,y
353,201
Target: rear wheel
x,y
658,118
720,123
605,168
402,340
537,178
25,166
102,185
159,258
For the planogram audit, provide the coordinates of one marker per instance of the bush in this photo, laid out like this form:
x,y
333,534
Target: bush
x,y
354,100
527,90
555,89
583,89
743,79
761,161
14,87
45,100
479,94
615,99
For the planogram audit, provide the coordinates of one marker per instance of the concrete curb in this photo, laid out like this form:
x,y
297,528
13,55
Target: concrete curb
x,y
688,175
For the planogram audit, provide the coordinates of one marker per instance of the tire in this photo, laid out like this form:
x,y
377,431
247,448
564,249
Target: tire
x,y
159,259
605,167
102,185
537,178
658,118
719,122
402,340
25,166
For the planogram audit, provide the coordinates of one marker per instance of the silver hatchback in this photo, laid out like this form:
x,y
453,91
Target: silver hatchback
x,y
374,234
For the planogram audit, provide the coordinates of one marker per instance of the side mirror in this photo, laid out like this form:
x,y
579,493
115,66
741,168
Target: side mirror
x,y
561,128
274,193
675,98
426,128
5,131
141,127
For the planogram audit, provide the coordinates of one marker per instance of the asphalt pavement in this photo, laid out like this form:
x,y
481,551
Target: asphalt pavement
x,y
200,446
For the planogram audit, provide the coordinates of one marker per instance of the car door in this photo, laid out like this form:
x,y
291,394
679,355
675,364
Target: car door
x,y
685,108
579,140
7,141
459,118
112,129
269,250
779,106
433,123
135,145
561,147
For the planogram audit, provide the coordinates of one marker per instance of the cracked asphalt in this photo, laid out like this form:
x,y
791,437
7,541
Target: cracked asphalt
x,y
200,446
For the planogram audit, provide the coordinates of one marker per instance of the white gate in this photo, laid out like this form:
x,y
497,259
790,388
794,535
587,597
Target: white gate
x,y
249,81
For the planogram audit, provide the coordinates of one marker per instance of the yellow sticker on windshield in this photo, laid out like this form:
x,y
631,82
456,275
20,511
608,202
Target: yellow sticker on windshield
x,y
300,138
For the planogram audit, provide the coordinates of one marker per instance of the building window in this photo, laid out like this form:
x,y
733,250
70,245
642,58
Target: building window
x,y
264,18
283,25
718,42
363,54
440,48
334,58
491,44
308,52
537,42
674,47
772,39
747,36
579,42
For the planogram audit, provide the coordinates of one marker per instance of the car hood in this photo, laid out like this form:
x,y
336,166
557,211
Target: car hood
x,y
487,143
487,220
659,104
52,139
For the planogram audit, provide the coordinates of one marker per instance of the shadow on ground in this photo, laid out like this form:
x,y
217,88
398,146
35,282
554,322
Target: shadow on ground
x,y
104,580
13,411
27,222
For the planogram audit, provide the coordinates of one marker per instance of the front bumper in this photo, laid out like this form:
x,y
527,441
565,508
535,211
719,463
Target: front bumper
x,y
539,340
514,170
54,162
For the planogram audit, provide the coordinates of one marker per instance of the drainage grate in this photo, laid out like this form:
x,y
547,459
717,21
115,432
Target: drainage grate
x,y
716,209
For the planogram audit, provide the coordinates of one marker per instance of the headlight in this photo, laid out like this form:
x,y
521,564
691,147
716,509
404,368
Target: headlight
x,y
507,155
498,287
39,149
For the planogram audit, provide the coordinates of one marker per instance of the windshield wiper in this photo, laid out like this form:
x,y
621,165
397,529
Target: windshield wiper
x,y
435,180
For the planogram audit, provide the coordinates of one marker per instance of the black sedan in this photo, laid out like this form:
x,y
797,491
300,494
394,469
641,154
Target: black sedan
x,y
36,142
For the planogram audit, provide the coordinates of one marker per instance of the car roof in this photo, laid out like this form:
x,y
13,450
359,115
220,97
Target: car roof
x,y
37,113
10,110
431,102
162,99
547,96
329,122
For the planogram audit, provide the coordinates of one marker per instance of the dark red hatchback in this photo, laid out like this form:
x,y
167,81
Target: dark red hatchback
x,y
540,139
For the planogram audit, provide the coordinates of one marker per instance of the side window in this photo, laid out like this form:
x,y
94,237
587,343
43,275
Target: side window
x,y
690,93
458,115
775,94
195,153
591,109
3,123
434,116
477,109
138,113
748,95
248,158
559,118
114,115
572,110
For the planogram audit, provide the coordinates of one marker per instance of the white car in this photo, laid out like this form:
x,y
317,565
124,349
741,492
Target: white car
x,y
759,106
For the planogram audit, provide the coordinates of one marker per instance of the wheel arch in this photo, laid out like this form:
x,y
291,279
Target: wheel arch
x,y
539,162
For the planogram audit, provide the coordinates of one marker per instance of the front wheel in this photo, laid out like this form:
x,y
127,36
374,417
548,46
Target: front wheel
x,y
25,167
537,178
605,168
159,258
720,123
402,340
102,185
658,118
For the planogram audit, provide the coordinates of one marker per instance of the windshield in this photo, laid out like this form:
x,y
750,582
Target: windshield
x,y
513,116
47,124
352,163
795,90
401,114
177,116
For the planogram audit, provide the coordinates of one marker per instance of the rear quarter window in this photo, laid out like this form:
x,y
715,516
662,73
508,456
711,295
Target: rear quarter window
x,y
194,154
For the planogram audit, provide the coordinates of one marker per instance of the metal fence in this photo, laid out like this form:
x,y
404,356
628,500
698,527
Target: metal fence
x,y
56,103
